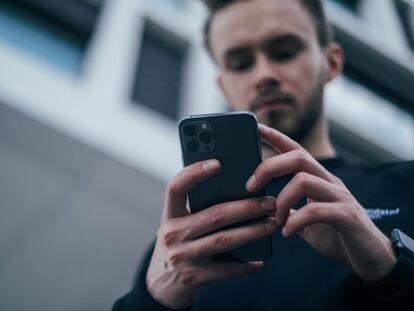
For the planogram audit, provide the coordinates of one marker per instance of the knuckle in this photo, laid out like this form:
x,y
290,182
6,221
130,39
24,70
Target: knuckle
x,y
299,156
315,210
352,213
267,227
169,235
312,205
215,215
301,159
336,179
252,204
302,178
344,194
222,241
187,277
174,258
171,188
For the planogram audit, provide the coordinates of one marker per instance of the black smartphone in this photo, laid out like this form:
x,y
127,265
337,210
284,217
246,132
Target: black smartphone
x,y
233,139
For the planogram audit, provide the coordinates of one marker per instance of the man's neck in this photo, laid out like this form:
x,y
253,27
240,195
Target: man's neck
x,y
318,142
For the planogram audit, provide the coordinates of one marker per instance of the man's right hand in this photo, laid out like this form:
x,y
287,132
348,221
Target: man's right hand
x,y
181,262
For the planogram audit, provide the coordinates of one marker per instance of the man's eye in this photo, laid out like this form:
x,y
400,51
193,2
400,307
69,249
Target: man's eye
x,y
283,51
240,62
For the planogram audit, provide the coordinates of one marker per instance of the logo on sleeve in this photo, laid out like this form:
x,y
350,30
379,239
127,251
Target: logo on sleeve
x,y
378,213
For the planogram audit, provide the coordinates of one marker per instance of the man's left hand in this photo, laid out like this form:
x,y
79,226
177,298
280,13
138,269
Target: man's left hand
x,y
332,221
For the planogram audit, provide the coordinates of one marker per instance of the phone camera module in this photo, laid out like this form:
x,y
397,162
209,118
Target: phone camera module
x,y
197,137
193,146
190,129
205,137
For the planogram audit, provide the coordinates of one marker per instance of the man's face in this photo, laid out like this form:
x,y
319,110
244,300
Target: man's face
x,y
271,63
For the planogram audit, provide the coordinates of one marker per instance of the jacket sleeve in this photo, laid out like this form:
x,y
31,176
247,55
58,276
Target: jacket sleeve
x,y
139,299
398,286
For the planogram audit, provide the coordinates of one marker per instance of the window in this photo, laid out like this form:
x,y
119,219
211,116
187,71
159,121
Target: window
x,y
56,32
160,70
351,5
373,117
406,12
380,106
394,82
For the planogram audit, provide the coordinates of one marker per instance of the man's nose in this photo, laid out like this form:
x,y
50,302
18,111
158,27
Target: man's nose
x,y
265,74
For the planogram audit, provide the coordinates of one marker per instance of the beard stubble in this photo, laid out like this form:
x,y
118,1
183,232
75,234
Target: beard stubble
x,y
304,118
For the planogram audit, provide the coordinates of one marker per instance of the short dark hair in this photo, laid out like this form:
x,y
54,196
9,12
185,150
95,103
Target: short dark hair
x,y
314,7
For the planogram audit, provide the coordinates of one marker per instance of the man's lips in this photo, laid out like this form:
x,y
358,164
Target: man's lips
x,y
271,108
271,105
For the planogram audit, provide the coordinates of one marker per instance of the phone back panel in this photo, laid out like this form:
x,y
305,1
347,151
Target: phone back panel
x,y
236,145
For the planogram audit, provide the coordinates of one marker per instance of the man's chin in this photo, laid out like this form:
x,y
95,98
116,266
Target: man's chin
x,y
278,121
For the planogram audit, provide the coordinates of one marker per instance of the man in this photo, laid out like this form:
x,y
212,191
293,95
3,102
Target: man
x,y
274,58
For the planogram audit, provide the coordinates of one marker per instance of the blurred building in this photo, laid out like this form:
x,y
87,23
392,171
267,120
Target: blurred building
x,y
90,94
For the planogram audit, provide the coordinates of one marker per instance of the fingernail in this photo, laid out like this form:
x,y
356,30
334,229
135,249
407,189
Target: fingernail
x,y
251,183
254,266
211,166
268,205
270,225
285,232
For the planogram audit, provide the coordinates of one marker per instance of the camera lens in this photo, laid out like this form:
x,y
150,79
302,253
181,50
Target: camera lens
x,y
193,146
205,137
190,130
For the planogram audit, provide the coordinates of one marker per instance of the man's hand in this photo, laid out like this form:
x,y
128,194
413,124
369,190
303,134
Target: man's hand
x,y
332,221
181,263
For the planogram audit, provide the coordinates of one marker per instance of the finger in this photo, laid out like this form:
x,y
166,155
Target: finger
x,y
304,185
229,239
282,143
312,213
228,213
287,163
226,270
183,182
278,140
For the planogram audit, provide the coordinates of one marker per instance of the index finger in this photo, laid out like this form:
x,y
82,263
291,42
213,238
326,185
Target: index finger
x,y
277,139
282,143
182,183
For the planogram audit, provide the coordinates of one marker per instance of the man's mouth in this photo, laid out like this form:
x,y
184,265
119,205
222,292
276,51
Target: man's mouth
x,y
271,104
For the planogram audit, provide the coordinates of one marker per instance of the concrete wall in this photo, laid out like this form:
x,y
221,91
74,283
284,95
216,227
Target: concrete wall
x,y
73,221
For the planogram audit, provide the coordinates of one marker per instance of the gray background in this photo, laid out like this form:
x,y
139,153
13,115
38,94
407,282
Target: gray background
x,y
73,222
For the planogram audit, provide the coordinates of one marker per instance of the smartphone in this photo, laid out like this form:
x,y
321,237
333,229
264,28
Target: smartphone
x,y
233,139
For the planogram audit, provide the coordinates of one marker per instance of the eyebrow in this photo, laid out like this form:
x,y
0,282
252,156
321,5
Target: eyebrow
x,y
281,39
288,38
237,50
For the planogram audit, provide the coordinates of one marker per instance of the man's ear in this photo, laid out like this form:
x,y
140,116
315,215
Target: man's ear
x,y
334,61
